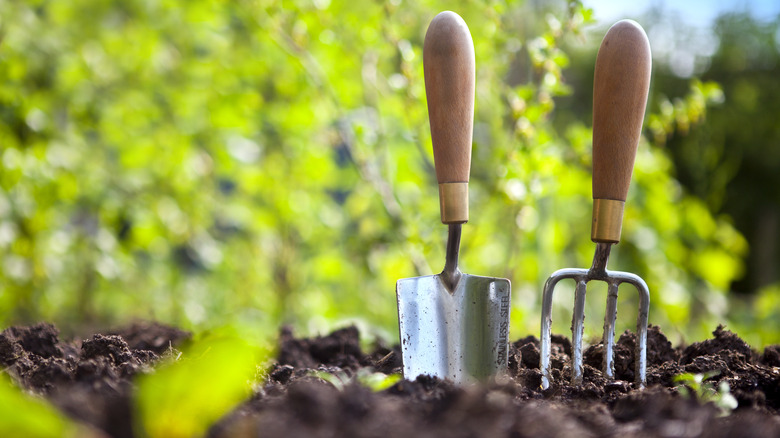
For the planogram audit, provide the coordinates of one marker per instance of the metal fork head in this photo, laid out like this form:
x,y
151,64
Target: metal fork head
x,y
613,279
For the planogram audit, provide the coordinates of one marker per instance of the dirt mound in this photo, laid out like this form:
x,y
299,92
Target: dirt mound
x,y
294,402
152,336
339,349
92,382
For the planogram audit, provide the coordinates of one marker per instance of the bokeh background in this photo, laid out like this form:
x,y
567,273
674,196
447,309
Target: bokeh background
x,y
260,163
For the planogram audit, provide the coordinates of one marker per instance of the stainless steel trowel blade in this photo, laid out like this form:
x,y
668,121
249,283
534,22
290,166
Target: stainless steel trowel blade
x,y
461,335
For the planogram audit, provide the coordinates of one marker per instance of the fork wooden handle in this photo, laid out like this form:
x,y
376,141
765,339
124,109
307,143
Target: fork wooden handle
x,y
620,87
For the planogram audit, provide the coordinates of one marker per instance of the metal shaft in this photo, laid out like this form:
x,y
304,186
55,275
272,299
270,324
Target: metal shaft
x,y
451,274
598,271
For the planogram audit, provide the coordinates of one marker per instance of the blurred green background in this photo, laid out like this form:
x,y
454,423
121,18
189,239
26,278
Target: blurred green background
x,y
262,163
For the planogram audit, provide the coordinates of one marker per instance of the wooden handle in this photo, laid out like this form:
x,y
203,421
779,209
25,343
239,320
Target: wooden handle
x,y
620,87
448,62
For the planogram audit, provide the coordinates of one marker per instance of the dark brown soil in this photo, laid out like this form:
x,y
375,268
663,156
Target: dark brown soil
x,y
91,381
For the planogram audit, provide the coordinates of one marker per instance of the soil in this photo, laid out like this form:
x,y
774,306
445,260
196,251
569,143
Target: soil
x,y
92,381
89,380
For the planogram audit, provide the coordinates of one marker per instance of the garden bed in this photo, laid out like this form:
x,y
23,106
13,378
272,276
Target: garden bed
x,y
320,387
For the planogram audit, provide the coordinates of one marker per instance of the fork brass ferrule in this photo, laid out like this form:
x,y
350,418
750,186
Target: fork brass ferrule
x,y
607,220
454,202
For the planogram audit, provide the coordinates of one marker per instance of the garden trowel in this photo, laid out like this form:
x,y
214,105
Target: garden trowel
x,y
452,325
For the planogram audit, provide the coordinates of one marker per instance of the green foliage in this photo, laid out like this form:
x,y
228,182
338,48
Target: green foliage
x,y
263,162
186,396
22,415
695,386
757,316
729,158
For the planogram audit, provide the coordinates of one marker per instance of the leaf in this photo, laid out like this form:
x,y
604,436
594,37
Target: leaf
x,y
22,415
378,381
183,398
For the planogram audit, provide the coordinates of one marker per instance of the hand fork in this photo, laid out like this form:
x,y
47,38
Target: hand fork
x,y
620,88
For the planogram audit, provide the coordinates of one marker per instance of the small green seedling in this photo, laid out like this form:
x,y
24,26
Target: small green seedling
x,y
338,379
695,386
374,381
378,381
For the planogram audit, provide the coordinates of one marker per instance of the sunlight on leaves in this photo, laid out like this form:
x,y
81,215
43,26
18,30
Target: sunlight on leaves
x,y
271,162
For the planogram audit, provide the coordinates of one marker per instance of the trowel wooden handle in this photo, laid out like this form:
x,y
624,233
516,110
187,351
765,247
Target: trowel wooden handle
x,y
620,87
448,61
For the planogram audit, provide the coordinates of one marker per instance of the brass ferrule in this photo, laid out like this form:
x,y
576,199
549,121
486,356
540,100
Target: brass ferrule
x,y
607,220
454,202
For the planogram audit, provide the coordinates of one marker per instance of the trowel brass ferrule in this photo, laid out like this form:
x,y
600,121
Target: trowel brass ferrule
x,y
607,220
454,202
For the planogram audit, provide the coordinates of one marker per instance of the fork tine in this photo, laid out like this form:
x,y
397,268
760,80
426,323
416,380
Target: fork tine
x,y
544,342
577,330
609,330
641,331
546,334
